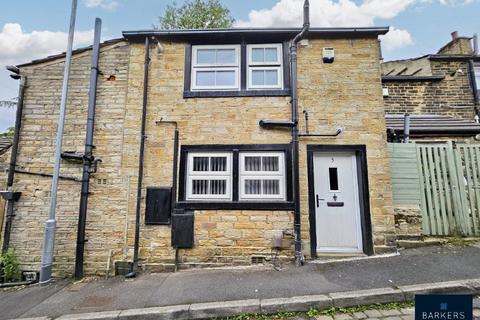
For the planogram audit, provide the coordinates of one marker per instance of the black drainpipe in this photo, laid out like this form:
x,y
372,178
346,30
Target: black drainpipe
x,y
299,259
11,196
134,268
88,158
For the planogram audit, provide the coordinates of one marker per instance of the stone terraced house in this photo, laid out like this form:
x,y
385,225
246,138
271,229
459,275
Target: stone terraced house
x,y
440,91
241,193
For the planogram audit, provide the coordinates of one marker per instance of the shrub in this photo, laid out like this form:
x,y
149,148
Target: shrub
x,y
9,266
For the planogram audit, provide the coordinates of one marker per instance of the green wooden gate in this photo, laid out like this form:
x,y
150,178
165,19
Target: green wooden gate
x,y
450,188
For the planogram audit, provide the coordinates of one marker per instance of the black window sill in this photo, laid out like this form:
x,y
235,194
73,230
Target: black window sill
x,y
235,205
244,93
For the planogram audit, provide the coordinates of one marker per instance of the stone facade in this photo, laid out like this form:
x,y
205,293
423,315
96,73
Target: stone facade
x,y
344,94
438,84
451,95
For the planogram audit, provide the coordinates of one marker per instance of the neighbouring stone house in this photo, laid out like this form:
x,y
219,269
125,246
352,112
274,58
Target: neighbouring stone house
x,y
235,174
440,91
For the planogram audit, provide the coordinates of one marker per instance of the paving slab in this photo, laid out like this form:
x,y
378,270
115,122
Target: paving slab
x,y
180,312
363,297
452,287
223,309
302,303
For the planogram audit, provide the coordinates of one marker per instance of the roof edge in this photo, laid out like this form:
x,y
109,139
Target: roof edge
x,y
63,54
176,33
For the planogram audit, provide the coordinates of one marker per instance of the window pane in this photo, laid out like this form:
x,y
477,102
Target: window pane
x,y
258,55
271,186
218,186
271,55
206,56
258,77
253,186
205,78
225,78
200,163
271,77
199,186
333,178
270,163
226,56
253,163
218,164
477,76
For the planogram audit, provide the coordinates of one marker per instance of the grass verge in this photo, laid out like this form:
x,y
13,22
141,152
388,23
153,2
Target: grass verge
x,y
313,313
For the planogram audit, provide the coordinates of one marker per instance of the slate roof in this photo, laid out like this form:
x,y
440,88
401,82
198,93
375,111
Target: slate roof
x,y
5,144
432,124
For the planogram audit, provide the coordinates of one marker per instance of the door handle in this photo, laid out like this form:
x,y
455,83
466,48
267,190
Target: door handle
x,y
318,201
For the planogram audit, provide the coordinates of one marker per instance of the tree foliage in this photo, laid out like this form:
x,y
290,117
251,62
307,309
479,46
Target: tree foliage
x,y
8,134
197,14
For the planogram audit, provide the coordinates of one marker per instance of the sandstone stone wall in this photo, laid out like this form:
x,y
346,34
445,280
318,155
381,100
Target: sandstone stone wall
x,y
106,212
408,221
451,96
344,94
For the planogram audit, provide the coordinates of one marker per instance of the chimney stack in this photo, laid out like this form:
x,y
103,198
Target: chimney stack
x,y
454,35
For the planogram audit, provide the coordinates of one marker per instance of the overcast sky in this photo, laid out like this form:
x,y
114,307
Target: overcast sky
x,y
31,29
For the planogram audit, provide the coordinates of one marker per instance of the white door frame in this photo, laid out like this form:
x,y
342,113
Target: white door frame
x,y
361,193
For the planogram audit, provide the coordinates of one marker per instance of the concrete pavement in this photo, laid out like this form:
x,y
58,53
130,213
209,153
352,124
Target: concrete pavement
x,y
411,267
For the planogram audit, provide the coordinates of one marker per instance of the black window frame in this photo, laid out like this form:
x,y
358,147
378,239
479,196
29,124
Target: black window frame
x,y
244,91
235,204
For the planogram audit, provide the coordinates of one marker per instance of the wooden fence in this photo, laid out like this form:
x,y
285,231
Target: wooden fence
x,y
448,185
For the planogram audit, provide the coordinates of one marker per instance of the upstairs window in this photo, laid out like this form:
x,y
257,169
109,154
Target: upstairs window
x,y
265,66
216,67
476,69
236,70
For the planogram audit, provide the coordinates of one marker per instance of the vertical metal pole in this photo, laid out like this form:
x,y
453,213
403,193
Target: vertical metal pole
x,y
50,225
406,128
88,157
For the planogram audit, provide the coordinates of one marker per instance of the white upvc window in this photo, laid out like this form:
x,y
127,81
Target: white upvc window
x,y
476,70
262,176
209,176
265,66
215,67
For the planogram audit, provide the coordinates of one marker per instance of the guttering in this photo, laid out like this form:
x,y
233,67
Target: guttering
x,y
287,33
88,158
412,78
299,259
134,269
13,159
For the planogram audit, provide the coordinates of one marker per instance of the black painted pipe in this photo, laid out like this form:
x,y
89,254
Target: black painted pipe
x,y
299,259
88,158
134,269
13,158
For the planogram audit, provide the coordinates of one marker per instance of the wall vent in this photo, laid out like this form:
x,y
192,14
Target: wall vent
x,y
258,260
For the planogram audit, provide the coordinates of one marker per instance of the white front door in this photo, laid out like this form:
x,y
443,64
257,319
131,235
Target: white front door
x,y
337,205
